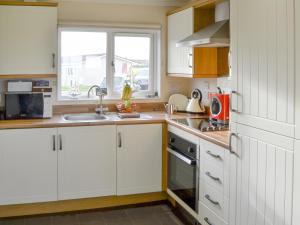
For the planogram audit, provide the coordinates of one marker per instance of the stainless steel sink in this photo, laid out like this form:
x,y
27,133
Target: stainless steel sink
x,y
84,117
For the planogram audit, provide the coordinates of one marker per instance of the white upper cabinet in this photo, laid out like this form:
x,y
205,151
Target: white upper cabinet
x,y
28,40
297,65
86,162
262,59
180,26
261,186
139,159
28,166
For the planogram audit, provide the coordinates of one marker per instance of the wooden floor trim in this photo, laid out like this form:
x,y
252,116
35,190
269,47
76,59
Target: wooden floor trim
x,y
79,204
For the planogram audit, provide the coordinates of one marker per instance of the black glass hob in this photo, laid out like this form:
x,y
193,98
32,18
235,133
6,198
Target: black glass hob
x,y
204,125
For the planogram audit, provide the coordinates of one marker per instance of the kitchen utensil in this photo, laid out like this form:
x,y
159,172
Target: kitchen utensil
x,y
170,108
195,103
179,101
219,107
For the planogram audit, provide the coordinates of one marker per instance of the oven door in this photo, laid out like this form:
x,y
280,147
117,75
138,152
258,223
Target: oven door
x,y
183,178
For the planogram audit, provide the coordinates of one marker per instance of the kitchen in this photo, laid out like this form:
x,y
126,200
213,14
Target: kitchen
x,y
67,67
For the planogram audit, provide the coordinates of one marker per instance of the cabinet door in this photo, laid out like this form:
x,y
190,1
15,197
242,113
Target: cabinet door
x,y
262,183
296,195
262,49
139,159
87,162
28,40
297,102
180,26
28,166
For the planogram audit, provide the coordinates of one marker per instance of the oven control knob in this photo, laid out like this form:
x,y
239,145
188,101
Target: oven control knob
x,y
172,140
190,149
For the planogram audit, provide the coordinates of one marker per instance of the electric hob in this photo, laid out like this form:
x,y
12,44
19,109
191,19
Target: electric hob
x,y
204,125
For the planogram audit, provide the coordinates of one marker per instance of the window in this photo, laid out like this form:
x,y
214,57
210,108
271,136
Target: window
x,y
108,58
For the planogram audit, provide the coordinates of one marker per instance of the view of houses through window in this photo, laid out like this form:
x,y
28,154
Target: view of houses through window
x,y
87,58
131,64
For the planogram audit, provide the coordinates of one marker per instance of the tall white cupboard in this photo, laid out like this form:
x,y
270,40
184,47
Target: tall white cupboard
x,y
263,66
296,196
264,112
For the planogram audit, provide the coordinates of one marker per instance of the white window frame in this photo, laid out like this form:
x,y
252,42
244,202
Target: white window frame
x,y
154,66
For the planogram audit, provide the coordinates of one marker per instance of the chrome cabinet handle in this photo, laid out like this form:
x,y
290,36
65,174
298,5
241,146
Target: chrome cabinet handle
x,y
212,201
53,60
60,142
212,177
229,59
119,140
53,143
207,221
230,143
213,155
230,101
190,61
113,66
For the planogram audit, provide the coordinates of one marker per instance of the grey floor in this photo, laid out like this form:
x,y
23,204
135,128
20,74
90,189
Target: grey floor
x,y
143,215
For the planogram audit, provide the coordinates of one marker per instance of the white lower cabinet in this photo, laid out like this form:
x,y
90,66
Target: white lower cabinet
x,y
139,159
40,165
28,166
261,178
86,162
208,217
214,184
296,194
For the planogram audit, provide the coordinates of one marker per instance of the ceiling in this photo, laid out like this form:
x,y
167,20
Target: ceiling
x,y
136,2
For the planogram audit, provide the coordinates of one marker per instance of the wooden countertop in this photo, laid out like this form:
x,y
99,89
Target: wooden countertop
x,y
219,137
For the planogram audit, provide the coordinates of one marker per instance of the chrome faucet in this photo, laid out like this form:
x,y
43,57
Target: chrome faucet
x,y
100,92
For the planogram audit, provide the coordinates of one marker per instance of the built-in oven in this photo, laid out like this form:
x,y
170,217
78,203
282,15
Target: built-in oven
x,y
183,170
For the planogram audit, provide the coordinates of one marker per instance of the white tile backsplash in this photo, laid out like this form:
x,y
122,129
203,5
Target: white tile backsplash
x,y
210,85
224,83
205,86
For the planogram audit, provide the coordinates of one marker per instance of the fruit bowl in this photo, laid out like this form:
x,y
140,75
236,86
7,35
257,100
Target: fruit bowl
x,y
124,107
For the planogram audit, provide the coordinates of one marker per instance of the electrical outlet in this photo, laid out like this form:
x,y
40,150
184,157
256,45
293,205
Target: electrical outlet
x,y
205,96
205,85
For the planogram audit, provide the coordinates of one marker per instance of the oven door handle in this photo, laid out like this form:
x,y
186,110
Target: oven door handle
x,y
182,157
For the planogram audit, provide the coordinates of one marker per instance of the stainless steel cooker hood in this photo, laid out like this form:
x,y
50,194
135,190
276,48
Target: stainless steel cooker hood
x,y
215,35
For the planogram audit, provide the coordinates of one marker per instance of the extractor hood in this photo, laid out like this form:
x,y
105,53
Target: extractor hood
x,y
215,35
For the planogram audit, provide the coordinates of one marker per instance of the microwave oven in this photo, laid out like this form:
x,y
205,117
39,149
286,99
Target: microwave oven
x,y
28,105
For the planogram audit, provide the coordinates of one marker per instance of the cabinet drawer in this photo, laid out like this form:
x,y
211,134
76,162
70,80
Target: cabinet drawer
x,y
207,217
213,154
216,177
214,200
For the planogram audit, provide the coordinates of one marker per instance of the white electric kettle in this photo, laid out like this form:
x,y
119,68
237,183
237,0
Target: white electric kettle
x,y
195,103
